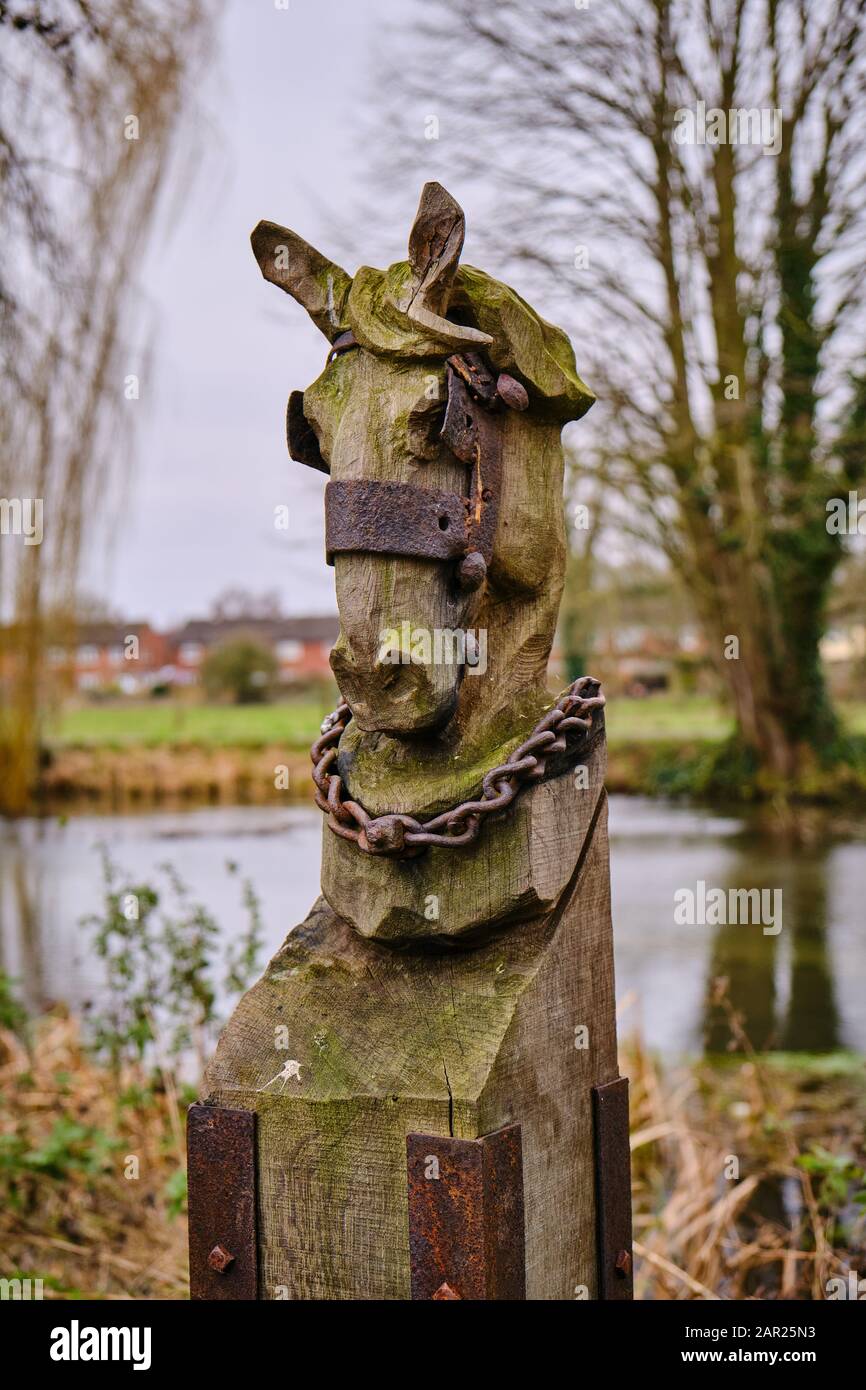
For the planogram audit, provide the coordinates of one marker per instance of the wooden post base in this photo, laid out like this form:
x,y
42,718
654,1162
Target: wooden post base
x,y
347,1046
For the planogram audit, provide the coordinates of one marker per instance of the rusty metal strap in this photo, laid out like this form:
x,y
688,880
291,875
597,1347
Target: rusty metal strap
x,y
393,519
221,1153
613,1189
474,435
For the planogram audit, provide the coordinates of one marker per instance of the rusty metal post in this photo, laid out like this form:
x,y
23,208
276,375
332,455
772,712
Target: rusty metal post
x,y
466,1222
613,1190
221,1167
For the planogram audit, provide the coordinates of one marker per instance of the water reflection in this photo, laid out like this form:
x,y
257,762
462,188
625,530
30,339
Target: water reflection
x,y
51,876
804,989
811,1019
781,987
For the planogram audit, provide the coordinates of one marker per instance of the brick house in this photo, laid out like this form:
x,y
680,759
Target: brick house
x,y
301,646
102,656
132,657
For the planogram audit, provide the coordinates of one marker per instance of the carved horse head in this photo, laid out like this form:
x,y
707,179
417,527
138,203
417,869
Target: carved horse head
x,y
437,417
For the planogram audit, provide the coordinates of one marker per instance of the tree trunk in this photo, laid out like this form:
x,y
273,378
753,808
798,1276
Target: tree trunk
x,y
773,675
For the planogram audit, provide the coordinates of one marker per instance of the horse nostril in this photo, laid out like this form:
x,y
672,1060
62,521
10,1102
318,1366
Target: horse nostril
x,y
443,523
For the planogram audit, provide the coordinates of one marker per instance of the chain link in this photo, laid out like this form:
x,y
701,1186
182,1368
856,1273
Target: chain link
x,y
401,835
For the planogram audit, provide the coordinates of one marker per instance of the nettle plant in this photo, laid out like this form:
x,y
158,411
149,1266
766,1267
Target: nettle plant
x,y
166,966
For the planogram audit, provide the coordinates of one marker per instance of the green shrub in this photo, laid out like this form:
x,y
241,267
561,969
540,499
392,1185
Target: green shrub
x,y
240,669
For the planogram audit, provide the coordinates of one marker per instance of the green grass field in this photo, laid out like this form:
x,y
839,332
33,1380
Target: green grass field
x,y
212,726
659,717
689,717
678,717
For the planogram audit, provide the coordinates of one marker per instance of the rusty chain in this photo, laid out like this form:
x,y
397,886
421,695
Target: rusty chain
x,y
401,835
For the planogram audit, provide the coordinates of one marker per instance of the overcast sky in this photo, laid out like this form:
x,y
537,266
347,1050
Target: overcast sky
x,y
283,96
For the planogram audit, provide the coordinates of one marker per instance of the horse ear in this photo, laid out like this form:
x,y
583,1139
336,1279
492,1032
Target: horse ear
x,y
435,243
303,272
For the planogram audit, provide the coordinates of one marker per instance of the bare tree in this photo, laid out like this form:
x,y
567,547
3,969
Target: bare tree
x,y
235,604
682,182
90,97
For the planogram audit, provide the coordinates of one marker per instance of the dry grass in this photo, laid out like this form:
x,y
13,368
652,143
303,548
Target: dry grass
x,y
173,776
722,1206
70,1215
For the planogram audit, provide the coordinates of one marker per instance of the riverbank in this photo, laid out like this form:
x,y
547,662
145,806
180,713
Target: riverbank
x,y
748,1173
123,755
134,776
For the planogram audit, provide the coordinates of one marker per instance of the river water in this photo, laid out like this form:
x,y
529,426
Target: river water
x,y
801,988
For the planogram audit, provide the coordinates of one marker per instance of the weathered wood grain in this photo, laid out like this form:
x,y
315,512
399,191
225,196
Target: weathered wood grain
x,y
389,1042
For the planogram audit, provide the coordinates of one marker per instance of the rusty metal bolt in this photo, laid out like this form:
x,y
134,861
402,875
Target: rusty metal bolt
x,y
386,833
220,1259
623,1264
512,392
472,571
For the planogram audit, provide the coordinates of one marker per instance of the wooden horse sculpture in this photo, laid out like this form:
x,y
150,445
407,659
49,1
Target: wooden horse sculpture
x,y
444,1018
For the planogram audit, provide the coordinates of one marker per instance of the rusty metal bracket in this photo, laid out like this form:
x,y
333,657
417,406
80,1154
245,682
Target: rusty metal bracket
x,y
613,1190
466,1222
370,516
221,1167
473,434
393,519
